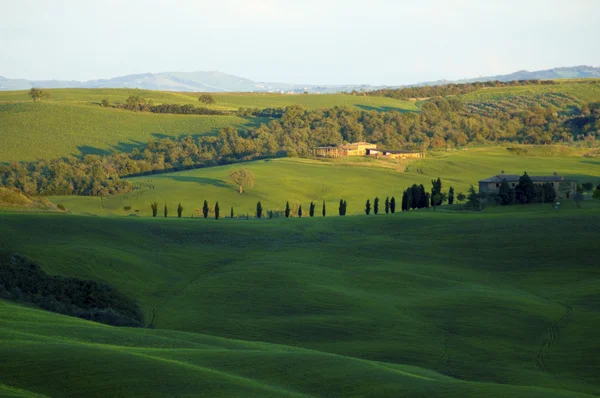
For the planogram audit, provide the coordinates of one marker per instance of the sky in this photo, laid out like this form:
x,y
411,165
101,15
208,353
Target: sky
x,y
304,41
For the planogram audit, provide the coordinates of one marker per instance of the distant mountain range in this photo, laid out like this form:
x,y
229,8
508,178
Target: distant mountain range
x,y
222,82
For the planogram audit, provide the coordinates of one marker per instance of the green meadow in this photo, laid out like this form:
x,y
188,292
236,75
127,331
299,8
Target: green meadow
x,y
301,181
503,302
351,306
72,122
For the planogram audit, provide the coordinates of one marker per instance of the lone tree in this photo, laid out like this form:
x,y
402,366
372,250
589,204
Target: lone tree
x,y
217,211
324,212
387,205
300,211
451,195
37,94
393,205
367,207
179,210
287,209
473,198
311,209
259,210
231,214
207,99
166,211
205,209
376,206
154,207
436,189
242,177
343,207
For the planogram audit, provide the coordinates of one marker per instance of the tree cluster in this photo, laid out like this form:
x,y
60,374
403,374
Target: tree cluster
x,y
24,281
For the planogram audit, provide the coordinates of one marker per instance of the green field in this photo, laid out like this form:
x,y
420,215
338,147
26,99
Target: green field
x,y
71,122
300,181
50,130
584,90
422,303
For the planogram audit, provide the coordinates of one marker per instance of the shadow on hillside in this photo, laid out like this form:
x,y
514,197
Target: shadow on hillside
x,y
384,109
200,180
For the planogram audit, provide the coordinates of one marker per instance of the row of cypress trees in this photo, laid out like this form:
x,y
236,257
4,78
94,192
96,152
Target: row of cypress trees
x,y
390,206
412,198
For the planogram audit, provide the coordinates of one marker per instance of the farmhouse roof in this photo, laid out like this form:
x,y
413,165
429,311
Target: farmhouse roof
x,y
395,151
515,178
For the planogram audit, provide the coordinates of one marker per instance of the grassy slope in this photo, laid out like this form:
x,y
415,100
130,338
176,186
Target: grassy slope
x,y
50,130
584,90
199,364
477,302
300,181
72,122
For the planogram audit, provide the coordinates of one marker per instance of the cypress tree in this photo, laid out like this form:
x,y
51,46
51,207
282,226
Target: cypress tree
x,y
217,211
179,210
311,209
270,214
525,190
427,200
376,206
259,210
287,209
451,195
205,209
424,198
154,207
166,211
404,201
345,207
393,205
300,211
387,205
231,214
368,207
415,196
505,194
324,212
341,207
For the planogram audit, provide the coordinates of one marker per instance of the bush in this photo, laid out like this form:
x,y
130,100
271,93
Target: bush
x,y
126,208
61,206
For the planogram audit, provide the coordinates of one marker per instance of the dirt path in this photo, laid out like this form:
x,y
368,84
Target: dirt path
x,y
553,333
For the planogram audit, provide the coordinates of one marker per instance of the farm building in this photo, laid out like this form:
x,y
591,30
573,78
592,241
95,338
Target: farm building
x,y
394,154
562,186
353,149
363,149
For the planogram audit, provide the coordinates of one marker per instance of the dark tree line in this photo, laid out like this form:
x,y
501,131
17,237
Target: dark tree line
x,y
24,281
442,123
525,192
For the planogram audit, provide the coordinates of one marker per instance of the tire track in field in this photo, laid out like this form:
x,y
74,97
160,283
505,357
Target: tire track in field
x,y
164,300
553,332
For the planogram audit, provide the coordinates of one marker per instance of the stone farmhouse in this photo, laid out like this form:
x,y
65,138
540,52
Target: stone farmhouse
x,y
562,186
363,149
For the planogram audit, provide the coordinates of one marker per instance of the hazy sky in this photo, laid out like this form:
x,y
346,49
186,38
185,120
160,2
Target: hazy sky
x,y
308,41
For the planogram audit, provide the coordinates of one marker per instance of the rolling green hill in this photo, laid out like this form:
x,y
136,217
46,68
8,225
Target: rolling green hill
x,y
73,123
301,181
503,305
